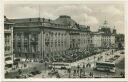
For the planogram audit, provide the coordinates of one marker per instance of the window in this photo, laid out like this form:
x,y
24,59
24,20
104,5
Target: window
x,y
34,37
19,49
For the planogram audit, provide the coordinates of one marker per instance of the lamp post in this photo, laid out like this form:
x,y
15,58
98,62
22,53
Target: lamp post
x,y
45,64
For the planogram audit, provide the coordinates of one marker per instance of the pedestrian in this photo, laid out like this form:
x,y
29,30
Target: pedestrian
x,y
74,71
58,76
91,74
122,75
19,71
42,76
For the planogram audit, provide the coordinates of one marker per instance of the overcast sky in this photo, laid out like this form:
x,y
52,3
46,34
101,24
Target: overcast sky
x,y
85,14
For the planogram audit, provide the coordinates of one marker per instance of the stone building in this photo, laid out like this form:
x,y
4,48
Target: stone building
x,y
97,37
104,37
40,38
8,39
58,40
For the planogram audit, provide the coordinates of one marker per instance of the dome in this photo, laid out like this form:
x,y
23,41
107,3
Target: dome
x,y
65,20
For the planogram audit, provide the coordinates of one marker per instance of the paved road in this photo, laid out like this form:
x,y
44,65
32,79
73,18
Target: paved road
x,y
91,60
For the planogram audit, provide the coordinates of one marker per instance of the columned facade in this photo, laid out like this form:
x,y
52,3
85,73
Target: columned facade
x,y
8,39
105,37
52,40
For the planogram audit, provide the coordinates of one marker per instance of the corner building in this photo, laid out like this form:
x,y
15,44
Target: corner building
x,y
8,43
40,38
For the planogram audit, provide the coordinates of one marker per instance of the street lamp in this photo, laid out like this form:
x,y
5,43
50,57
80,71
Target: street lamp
x,y
45,64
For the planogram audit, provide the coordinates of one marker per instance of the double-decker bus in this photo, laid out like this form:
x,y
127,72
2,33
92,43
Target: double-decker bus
x,y
60,65
105,66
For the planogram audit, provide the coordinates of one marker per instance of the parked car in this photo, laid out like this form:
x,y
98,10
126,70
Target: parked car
x,y
30,75
41,61
63,67
18,76
35,72
25,76
122,52
22,76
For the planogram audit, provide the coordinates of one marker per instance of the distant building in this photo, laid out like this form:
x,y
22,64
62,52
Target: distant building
x,y
8,39
97,39
105,37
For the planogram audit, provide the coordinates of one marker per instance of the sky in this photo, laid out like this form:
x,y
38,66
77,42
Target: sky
x,y
85,14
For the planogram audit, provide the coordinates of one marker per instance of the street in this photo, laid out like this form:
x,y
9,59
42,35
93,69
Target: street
x,y
63,73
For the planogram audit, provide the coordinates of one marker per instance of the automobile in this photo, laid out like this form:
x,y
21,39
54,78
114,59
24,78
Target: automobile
x,y
116,56
37,72
21,76
84,76
122,52
33,73
75,76
18,76
18,60
41,61
24,76
63,67
30,75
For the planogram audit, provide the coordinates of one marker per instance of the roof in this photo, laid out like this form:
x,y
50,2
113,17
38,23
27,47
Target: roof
x,y
63,22
24,20
105,31
7,21
68,21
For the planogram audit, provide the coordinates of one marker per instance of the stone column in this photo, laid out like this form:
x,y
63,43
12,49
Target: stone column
x,y
22,44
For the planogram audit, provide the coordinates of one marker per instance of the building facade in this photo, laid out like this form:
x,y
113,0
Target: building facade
x,y
97,39
48,39
105,37
8,39
59,39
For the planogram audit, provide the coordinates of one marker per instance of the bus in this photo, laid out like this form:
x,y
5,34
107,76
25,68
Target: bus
x,y
60,65
105,66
